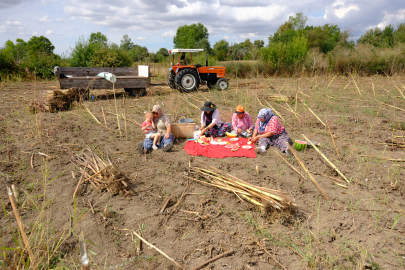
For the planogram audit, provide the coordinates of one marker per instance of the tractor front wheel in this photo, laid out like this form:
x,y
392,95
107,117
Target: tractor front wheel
x,y
187,80
222,84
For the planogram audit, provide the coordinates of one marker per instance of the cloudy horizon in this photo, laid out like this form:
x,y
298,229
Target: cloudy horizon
x,y
154,23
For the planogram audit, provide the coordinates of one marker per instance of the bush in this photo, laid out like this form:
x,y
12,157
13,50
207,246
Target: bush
x,y
286,55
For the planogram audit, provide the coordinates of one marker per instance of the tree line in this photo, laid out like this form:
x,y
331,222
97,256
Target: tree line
x,y
295,45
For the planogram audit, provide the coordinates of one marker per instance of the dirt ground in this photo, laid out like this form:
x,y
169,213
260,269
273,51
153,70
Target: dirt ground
x,y
359,226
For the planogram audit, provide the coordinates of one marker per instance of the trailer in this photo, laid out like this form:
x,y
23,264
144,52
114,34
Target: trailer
x,y
133,80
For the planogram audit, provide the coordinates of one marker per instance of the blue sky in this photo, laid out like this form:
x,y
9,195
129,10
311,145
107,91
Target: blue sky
x,y
153,23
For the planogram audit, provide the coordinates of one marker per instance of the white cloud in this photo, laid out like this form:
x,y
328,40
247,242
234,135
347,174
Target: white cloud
x,y
226,37
248,35
11,26
14,23
168,34
140,38
49,32
391,19
35,33
44,19
342,11
59,19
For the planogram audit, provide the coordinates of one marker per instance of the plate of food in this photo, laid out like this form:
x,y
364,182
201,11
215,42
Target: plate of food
x,y
203,144
247,147
222,143
228,146
234,139
214,143
249,142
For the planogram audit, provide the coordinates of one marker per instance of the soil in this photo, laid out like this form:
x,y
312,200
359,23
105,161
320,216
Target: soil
x,y
355,227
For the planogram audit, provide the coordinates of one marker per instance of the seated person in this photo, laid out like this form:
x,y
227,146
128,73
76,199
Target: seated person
x,y
149,128
242,124
162,123
269,132
211,124
183,59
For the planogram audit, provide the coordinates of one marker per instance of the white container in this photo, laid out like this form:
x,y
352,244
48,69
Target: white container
x,y
197,134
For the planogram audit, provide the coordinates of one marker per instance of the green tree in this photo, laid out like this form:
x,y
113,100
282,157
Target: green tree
x,y
259,43
236,52
399,35
98,38
298,21
221,49
126,43
7,62
138,53
287,55
81,55
163,51
285,27
161,54
105,57
39,45
203,44
379,38
187,36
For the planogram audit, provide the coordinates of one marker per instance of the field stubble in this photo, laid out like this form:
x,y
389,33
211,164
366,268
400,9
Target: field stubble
x,y
360,226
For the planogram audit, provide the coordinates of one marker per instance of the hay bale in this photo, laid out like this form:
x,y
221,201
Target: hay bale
x,y
58,100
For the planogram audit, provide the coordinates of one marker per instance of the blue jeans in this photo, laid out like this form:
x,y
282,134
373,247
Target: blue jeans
x,y
147,144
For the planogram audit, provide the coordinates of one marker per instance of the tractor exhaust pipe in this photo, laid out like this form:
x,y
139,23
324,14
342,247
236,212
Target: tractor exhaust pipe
x,y
206,59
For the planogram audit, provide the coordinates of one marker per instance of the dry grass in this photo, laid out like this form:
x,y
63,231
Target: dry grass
x,y
360,126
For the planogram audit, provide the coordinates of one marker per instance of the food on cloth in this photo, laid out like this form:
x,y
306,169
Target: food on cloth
x,y
247,147
222,143
203,140
214,143
228,146
235,147
233,139
231,135
300,145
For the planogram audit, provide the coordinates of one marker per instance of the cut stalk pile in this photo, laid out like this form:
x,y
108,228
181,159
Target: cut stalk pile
x,y
101,174
265,198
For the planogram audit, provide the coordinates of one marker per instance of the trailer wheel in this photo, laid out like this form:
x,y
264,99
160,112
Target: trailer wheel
x,y
136,92
222,84
170,79
187,80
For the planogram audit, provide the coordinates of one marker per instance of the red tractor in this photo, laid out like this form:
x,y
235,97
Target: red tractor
x,y
187,78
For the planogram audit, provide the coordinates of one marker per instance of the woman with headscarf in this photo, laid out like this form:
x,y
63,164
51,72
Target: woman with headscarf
x,y
211,124
269,131
163,126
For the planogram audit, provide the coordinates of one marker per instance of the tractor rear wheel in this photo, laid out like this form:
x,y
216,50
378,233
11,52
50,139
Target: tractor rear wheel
x,y
170,79
187,80
222,84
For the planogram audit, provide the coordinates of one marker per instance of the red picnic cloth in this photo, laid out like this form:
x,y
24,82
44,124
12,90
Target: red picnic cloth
x,y
219,151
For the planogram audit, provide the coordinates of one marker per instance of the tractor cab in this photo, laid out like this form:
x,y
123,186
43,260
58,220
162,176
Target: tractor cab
x,y
187,77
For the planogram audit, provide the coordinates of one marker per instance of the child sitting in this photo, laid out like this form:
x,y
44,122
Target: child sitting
x,y
149,128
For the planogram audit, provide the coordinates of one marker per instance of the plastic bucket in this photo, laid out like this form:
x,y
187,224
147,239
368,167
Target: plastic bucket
x,y
197,134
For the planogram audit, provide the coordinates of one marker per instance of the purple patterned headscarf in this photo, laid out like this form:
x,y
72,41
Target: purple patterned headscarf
x,y
265,114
